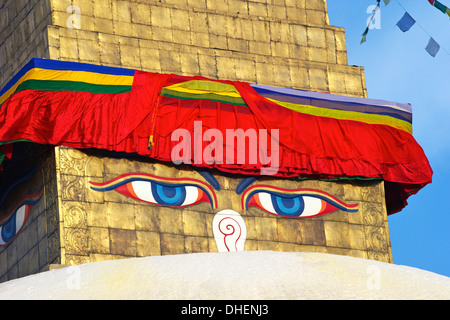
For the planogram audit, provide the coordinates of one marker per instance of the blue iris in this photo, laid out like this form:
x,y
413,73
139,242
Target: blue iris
x,y
288,206
9,229
168,195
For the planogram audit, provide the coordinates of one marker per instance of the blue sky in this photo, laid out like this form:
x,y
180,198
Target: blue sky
x,y
397,68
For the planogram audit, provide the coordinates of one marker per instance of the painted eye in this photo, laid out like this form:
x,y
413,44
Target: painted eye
x,y
159,191
293,206
15,221
164,194
12,226
301,203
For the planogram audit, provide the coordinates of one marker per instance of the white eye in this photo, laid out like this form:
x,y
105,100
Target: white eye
x,y
9,229
191,195
20,217
143,190
177,195
2,243
266,201
304,206
312,206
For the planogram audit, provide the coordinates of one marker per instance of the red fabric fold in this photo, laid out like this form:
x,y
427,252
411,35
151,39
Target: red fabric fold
x,y
309,146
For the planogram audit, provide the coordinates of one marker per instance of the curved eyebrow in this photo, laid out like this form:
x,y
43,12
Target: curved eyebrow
x,y
244,183
210,178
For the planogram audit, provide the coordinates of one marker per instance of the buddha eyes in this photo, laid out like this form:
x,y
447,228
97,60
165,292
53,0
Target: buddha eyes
x,y
159,191
301,203
12,225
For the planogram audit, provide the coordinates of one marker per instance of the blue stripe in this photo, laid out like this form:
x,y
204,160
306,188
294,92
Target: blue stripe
x,y
77,66
20,74
65,66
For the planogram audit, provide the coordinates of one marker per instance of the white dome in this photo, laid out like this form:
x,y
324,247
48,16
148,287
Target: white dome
x,y
232,276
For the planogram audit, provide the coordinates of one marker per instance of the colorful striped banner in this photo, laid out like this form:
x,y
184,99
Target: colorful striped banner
x,y
370,111
321,135
204,90
46,75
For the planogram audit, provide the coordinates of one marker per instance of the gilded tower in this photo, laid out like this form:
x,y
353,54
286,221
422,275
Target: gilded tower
x,y
281,43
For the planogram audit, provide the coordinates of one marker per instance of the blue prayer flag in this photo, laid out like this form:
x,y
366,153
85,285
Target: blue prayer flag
x,y
432,47
406,22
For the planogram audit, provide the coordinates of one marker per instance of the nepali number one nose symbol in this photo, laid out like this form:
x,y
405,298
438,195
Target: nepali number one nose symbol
x,y
230,231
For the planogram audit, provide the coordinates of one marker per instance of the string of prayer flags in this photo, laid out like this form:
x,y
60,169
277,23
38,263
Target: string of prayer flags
x,y
386,2
440,6
370,21
406,22
432,47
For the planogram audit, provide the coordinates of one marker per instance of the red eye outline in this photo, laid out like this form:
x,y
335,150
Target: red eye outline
x,y
122,184
329,203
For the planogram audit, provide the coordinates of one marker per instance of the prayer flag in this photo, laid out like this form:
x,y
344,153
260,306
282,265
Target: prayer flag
x,y
432,47
406,22
369,23
364,35
440,6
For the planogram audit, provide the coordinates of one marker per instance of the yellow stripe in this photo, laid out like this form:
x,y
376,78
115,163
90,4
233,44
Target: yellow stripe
x,y
196,91
203,86
75,76
348,115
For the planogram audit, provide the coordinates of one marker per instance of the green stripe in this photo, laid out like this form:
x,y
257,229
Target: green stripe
x,y
54,85
204,96
440,6
12,141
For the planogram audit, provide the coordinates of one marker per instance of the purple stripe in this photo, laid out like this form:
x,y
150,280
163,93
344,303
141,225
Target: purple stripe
x,y
337,98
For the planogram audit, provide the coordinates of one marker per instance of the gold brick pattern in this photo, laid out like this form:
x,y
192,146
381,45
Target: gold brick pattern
x,y
22,34
115,226
73,224
281,43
